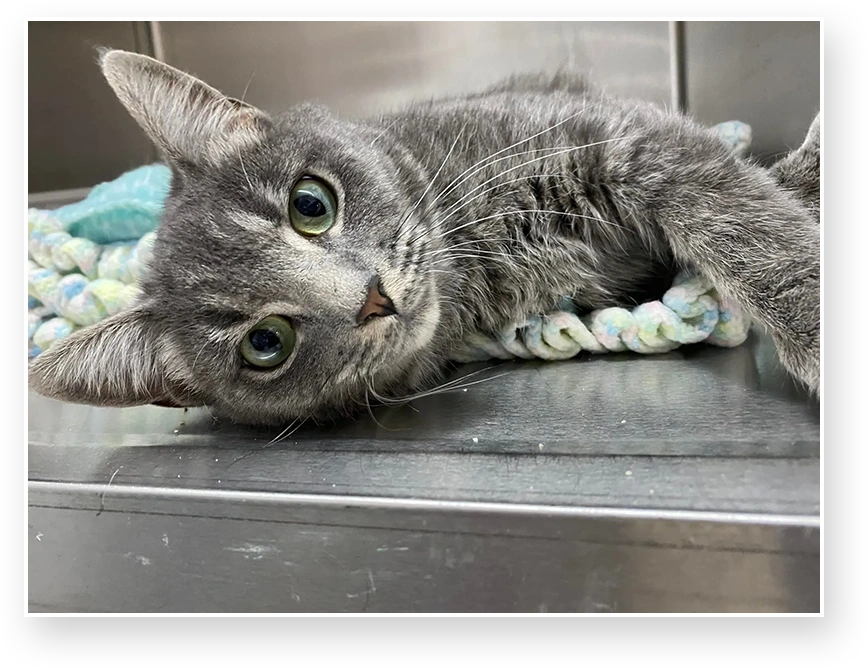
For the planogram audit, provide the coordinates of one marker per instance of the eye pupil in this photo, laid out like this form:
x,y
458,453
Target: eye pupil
x,y
265,341
310,206
269,342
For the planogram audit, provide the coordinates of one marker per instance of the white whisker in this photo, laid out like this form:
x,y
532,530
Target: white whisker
x,y
243,169
280,435
522,211
457,181
458,205
391,125
444,386
434,178
530,162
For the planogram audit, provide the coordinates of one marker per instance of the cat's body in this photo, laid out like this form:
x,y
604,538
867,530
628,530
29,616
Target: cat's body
x,y
449,217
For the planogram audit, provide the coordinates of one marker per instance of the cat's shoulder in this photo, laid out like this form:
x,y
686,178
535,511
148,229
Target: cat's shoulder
x,y
564,81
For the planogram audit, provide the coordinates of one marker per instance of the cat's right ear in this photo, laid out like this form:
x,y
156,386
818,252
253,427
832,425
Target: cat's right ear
x,y
186,118
119,361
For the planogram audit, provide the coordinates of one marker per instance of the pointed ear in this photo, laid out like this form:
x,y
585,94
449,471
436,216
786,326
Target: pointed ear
x,y
186,118
116,362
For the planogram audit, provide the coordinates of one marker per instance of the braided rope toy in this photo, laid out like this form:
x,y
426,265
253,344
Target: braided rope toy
x,y
74,281
689,312
85,261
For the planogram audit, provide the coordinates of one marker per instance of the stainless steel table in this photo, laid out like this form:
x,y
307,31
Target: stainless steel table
x,y
683,482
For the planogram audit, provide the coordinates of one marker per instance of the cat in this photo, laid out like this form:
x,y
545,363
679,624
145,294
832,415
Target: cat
x,y
306,265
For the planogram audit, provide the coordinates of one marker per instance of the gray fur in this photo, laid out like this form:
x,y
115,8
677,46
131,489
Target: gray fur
x,y
598,198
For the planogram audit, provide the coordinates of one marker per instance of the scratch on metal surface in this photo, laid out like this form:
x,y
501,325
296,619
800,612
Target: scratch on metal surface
x,y
252,551
144,561
102,498
372,588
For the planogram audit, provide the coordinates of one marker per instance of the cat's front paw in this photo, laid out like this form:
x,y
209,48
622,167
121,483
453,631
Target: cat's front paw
x,y
802,359
798,340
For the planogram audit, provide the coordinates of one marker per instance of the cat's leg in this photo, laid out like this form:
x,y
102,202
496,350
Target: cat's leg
x,y
760,246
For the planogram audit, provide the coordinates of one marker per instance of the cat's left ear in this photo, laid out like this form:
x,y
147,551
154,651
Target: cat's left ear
x,y
185,117
120,361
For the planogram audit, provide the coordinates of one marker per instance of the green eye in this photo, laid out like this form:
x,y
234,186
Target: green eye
x,y
312,208
269,342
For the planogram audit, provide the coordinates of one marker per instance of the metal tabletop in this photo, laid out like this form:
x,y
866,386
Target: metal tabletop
x,y
688,481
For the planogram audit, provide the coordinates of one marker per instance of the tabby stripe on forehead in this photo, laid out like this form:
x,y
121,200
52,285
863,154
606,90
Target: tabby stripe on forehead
x,y
254,223
222,315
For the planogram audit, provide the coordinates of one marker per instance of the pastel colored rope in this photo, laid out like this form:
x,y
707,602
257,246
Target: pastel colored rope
x,y
689,312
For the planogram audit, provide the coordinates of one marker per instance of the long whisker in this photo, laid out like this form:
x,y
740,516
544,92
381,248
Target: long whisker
x,y
249,81
277,438
521,211
458,205
196,360
565,150
371,410
469,242
552,152
391,125
530,162
442,387
282,436
299,426
458,178
437,173
244,170
443,390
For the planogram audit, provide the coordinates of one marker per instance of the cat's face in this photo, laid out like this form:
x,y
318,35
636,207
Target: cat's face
x,y
287,278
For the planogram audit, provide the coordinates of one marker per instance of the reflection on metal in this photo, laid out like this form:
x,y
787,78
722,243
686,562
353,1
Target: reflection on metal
x,y
156,37
359,68
78,133
765,73
678,66
683,482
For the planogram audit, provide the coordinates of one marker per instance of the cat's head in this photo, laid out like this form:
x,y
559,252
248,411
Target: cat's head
x,y
285,282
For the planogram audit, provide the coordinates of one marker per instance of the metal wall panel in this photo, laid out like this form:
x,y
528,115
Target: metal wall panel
x,y
78,133
362,67
764,73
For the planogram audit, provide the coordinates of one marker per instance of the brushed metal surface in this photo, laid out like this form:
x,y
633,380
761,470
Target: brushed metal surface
x,y
78,133
683,482
181,552
765,73
363,67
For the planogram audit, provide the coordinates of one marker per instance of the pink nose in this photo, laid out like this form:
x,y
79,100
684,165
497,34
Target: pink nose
x,y
377,303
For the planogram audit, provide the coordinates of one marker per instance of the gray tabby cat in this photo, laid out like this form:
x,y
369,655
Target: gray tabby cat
x,y
306,264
